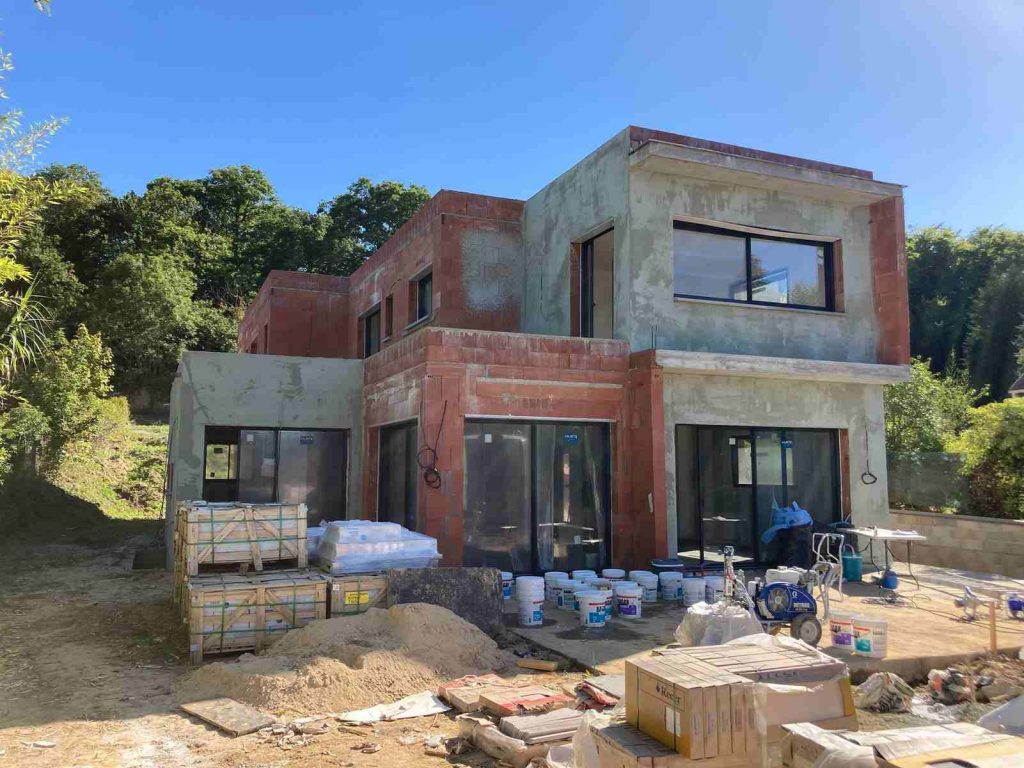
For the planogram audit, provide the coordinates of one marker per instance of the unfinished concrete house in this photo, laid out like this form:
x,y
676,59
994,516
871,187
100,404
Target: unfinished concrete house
x,y
641,360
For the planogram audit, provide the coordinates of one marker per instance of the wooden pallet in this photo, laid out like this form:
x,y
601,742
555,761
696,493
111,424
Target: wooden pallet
x,y
357,593
230,613
237,533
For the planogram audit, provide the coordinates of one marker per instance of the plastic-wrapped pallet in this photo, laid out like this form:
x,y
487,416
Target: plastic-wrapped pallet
x,y
363,546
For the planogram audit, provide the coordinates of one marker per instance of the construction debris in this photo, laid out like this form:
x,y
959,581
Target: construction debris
x,y
418,705
542,665
229,715
528,698
950,686
557,725
485,736
367,747
884,692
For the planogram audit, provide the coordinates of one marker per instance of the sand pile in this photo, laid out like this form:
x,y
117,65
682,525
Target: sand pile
x,y
353,661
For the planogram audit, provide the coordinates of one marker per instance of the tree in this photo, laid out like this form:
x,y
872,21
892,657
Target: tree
x,y
993,448
922,415
362,219
142,306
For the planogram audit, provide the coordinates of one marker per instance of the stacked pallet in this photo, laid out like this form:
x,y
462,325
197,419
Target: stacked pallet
x,y
240,577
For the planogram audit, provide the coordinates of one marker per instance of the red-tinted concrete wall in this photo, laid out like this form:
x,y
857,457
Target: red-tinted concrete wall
x,y
471,244
296,313
520,376
889,281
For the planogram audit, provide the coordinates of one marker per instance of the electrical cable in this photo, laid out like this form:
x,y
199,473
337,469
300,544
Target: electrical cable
x,y
426,456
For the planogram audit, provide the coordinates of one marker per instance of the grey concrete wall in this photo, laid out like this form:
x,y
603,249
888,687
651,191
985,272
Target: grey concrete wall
x,y
758,402
581,202
656,199
970,543
227,389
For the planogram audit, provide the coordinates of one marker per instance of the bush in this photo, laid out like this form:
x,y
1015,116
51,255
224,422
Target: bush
x,y
993,448
924,414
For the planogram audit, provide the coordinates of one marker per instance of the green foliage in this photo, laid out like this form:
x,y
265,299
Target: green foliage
x,y
965,293
922,415
23,429
993,447
67,388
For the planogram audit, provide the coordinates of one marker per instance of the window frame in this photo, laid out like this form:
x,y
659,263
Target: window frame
x,y
747,237
419,315
365,320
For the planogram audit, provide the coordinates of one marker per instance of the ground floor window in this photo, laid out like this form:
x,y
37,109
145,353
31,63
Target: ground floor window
x,y
295,466
396,488
730,479
537,495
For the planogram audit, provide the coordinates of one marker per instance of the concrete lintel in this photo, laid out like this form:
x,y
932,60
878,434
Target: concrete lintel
x,y
759,366
674,159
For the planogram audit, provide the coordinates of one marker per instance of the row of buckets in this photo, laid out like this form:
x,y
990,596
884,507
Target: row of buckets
x,y
859,635
598,597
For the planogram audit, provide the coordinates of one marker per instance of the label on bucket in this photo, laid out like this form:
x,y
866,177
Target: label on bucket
x,y
595,617
506,590
538,616
628,608
842,634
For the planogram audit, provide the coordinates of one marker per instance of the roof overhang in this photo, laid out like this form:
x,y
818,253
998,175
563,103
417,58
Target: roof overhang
x,y
790,368
692,162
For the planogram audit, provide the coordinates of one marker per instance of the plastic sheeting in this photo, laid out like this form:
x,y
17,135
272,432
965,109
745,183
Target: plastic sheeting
x,y
1009,718
716,624
417,705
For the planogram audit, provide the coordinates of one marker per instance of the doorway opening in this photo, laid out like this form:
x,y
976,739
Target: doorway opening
x,y
537,495
729,480
597,287
396,489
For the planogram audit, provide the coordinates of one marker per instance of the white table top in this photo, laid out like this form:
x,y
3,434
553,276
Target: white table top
x,y
884,534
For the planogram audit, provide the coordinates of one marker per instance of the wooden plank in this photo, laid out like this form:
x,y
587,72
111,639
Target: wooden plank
x,y
229,715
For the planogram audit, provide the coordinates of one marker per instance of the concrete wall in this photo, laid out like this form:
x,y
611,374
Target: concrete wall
x,y
656,199
968,543
225,389
579,204
760,402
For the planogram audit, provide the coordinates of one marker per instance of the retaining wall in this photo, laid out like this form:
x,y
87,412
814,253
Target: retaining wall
x,y
969,543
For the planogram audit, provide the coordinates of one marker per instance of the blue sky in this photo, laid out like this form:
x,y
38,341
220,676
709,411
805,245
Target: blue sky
x,y
499,98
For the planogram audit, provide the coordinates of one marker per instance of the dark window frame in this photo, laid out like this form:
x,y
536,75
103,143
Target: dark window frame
x,y
424,279
829,247
388,323
366,321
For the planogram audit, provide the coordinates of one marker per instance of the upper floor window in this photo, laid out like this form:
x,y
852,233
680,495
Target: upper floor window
x,y
715,263
371,332
424,297
389,315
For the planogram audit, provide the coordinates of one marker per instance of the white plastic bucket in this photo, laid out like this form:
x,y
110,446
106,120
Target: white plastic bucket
x,y
581,574
870,637
693,590
840,627
549,583
530,597
649,582
714,588
507,579
557,591
569,590
628,597
599,582
613,574
592,608
609,600
633,575
670,585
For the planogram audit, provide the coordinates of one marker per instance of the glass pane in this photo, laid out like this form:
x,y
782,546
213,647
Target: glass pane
x,y
572,465
709,265
425,297
726,508
372,333
396,493
687,507
312,472
257,465
788,273
220,462
498,527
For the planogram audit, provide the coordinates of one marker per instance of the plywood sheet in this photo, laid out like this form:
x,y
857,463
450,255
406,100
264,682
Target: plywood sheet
x,y
229,715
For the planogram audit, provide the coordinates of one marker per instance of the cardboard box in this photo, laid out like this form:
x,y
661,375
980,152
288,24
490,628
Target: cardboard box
x,y
620,745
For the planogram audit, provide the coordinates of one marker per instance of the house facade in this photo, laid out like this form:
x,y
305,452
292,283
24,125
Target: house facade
x,y
644,359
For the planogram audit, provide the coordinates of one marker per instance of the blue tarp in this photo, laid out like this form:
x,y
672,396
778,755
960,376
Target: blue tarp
x,y
792,516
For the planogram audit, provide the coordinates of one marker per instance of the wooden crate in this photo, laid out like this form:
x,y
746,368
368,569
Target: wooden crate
x,y
233,612
239,534
357,593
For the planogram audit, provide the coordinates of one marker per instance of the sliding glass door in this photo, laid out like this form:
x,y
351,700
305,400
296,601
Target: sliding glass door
x,y
731,479
537,495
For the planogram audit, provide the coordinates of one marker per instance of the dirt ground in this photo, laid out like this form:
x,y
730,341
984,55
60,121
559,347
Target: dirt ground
x,y
91,655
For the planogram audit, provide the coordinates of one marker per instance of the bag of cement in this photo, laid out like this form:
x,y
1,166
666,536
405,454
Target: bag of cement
x,y
715,624
1009,718
884,692
950,686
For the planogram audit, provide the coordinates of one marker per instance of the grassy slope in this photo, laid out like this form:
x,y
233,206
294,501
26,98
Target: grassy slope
x,y
109,487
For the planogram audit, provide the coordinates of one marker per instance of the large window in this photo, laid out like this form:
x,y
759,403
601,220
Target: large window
x,y
723,264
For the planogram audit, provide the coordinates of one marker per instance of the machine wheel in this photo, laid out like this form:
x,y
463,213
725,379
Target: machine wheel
x,y
806,628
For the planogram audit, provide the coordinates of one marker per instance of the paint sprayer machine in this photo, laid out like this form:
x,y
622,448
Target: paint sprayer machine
x,y
786,596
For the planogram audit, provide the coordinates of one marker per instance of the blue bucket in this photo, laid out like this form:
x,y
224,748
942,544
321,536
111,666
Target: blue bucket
x,y
853,566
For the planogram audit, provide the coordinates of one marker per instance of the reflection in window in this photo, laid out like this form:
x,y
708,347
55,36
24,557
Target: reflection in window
x,y
221,461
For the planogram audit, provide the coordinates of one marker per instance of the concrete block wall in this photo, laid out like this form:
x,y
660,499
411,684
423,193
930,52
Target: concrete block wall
x,y
965,542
